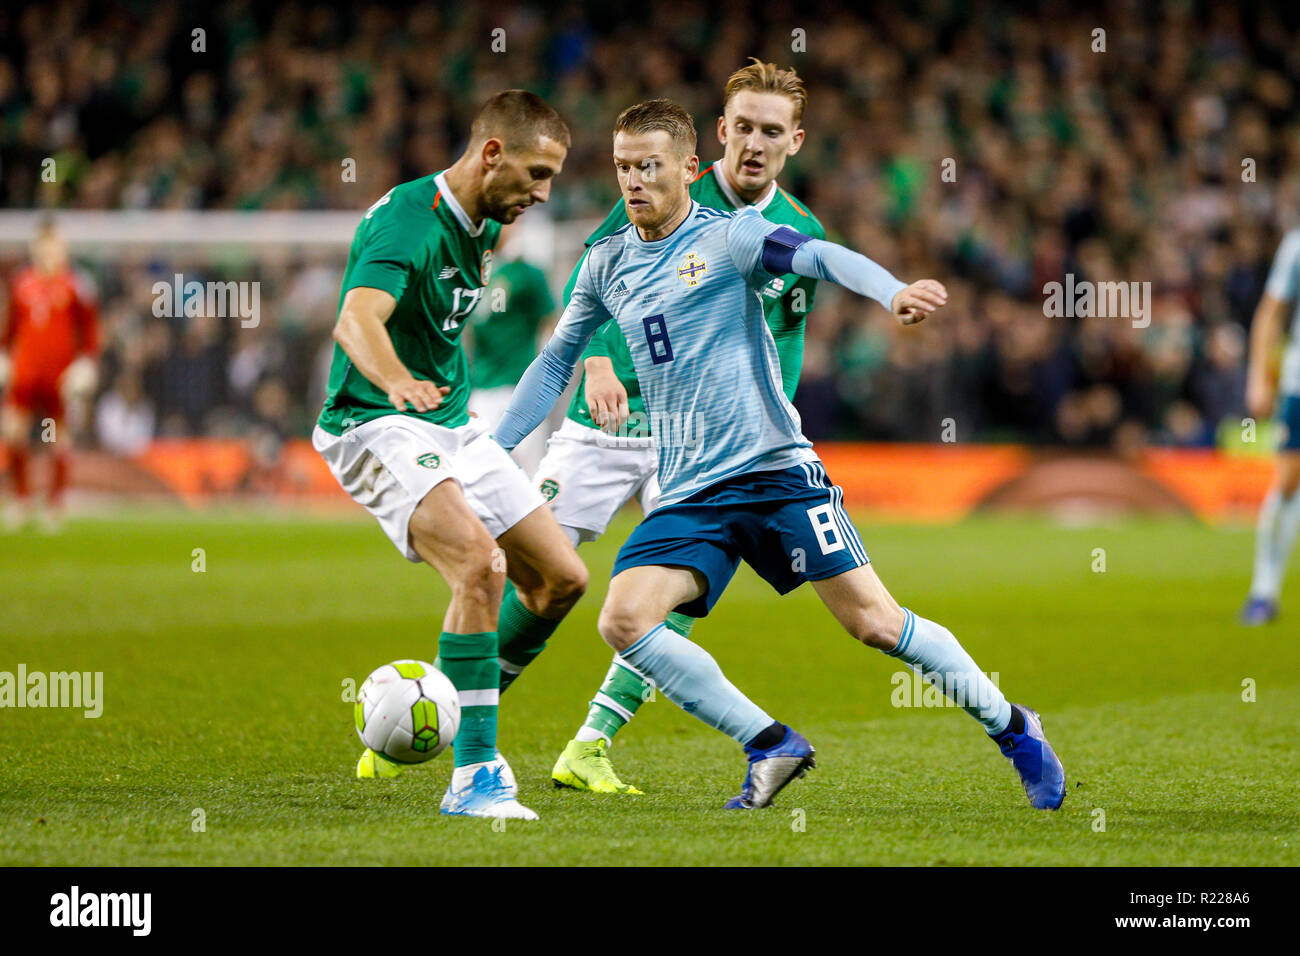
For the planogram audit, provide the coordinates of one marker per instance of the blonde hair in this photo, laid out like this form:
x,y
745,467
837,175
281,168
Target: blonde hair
x,y
760,77
660,114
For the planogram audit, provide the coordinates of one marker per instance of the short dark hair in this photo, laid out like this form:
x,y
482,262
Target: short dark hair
x,y
515,116
660,114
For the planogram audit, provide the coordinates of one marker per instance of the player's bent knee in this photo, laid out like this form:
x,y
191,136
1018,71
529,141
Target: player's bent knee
x,y
558,590
879,628
569,583
621,626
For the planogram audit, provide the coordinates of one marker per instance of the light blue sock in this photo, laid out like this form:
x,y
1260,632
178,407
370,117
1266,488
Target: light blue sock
x,y
1279,520
690,677
932,649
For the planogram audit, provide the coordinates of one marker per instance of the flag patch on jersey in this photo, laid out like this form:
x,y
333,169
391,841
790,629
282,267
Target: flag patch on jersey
x,y
691,271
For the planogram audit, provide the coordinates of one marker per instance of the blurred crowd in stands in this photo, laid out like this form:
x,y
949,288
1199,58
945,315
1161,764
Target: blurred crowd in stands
x,y
1171,157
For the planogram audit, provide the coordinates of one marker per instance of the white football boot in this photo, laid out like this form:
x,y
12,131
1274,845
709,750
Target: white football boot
x,y
485,790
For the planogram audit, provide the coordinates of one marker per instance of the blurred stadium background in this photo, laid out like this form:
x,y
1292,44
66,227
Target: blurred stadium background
x,y
226,164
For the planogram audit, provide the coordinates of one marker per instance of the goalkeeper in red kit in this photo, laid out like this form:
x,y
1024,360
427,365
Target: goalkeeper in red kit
x,y
48,345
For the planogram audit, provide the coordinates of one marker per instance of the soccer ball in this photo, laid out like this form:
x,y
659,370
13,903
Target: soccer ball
x,y
407,711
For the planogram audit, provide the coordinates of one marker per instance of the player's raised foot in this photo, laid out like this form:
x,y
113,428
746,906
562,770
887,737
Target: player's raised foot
x,y
1257,611
373,765
1034,759
584,765
484,790
771,769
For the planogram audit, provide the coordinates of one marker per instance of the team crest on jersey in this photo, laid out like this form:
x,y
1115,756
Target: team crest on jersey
x,y
428,460
691,271
485,270
549,489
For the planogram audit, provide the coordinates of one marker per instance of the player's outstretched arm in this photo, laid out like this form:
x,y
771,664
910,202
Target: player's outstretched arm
x,y
854,271
548,374
361,333
543,382
756,246
914,302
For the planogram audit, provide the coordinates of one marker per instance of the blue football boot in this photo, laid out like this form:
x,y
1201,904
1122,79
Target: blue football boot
x,y
771,769
1257,611
1034,759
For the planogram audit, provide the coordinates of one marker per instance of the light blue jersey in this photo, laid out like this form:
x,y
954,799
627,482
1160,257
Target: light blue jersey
x,y
1284,284
689,306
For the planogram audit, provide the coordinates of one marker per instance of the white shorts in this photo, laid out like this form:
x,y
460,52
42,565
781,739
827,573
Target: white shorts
x,y
587,476
390,463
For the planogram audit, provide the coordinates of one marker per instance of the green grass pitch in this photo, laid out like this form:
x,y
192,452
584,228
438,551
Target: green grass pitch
x,y
224,706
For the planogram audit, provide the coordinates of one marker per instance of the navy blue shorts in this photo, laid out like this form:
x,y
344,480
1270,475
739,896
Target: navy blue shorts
x,y
789,525
1288,415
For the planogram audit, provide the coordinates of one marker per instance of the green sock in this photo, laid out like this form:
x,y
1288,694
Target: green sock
x,y
470,662
618,699
521,635
623,692
681,623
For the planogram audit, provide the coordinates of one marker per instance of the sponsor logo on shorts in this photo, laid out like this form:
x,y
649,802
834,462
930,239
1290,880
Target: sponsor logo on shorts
x,y
549,489
428,460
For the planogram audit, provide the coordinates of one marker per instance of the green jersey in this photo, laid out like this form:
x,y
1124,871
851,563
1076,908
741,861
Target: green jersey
x,y
418,245
787,299
505,324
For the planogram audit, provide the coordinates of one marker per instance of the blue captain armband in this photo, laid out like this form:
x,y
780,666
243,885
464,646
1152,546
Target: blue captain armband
x,y
779,247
